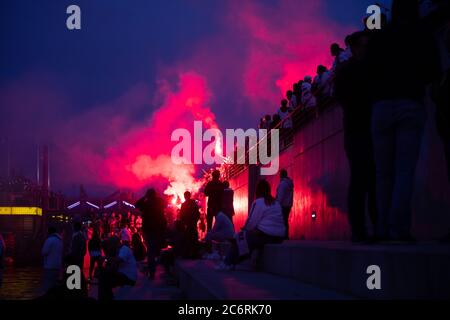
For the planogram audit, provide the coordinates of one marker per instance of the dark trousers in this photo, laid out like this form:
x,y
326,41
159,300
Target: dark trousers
x,y
109,279
191,244
286,213
447,156
210,214
256,240
154,245
92,262
398,127
362,187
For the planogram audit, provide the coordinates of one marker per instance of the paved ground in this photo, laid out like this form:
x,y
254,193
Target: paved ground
x,y
20,283
200,280
162,288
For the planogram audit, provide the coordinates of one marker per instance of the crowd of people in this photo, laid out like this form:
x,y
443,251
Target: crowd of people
x,y
384,119
381,80
115,253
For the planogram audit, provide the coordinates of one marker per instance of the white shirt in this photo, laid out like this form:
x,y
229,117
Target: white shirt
x,y
52,252
323,83
223,228
128,264
267,219
308,99
287,124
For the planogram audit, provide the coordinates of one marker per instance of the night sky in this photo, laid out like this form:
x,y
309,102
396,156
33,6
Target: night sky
x,y
110,93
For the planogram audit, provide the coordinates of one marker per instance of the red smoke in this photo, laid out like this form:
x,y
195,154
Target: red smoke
x,y
144,153
238,75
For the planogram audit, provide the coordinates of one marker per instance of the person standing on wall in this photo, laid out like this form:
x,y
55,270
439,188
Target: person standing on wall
x,y
404,47
285,197
352,92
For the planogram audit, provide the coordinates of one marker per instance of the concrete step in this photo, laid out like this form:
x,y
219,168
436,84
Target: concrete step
x,y
419,271
198,280
161,288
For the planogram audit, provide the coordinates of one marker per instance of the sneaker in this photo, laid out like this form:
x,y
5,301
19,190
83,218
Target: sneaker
x,y
224,267
214,256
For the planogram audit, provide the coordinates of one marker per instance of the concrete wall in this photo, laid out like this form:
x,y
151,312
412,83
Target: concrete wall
x,y
318,165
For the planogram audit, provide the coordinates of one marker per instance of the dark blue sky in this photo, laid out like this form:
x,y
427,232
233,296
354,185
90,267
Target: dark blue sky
x,y
121,42
124,44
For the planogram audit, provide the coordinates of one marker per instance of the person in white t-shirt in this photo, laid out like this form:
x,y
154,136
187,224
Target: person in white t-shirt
x,y
285,114
292,99
122,270
265,225
308,99
322,84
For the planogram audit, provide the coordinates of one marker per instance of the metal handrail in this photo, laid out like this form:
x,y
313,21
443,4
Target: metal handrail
x,y
300,118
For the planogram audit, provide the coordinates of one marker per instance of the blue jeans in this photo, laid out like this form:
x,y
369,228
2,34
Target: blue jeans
x,y
398,127
256,240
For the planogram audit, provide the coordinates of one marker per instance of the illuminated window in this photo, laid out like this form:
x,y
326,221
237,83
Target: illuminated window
x,y
23,211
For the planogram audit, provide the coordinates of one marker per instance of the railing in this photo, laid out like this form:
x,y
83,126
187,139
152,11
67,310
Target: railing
x,y
300,118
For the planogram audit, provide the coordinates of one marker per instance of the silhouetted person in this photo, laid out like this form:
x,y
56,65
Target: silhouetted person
x,y
322,84
95,252
285,197
154,226
403,60
265,225
78,246
126,219
352,93
285,114
120,271
297,93
139,249
308,99
441,87
214,191
52,253
339,54
2,258
276,121
292,99
189,216
266,122
111,245
228,201
105,225
441,97
286,122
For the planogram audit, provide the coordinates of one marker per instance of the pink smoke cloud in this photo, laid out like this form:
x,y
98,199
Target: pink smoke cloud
x,y
264,49
111,149
240,73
